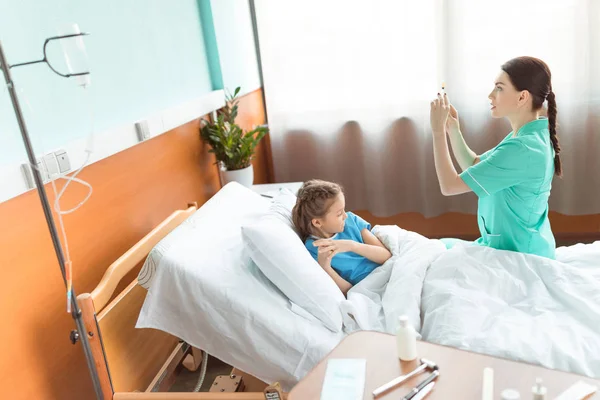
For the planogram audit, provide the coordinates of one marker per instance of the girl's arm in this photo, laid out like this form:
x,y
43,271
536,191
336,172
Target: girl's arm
x,y
375,252
324,260
372,249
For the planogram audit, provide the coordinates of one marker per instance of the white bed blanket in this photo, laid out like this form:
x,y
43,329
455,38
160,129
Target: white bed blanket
x,y
500,303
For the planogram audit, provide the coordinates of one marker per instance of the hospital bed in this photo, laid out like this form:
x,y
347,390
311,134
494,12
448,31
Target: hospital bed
x,y
199,285
136,364
203,287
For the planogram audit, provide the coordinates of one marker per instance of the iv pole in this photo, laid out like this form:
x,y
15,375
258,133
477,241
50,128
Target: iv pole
x,y
76,312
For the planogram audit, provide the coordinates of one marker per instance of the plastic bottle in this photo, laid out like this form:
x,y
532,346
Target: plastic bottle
x,y
510,394
539,391
406,340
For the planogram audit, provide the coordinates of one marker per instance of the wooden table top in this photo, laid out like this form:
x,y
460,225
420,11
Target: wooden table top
x,y
461,372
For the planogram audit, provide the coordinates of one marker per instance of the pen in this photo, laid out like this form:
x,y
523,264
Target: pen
x,y
423,393
421,385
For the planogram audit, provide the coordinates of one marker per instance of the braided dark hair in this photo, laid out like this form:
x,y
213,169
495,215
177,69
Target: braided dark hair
x,y
314,199
553,137
533,75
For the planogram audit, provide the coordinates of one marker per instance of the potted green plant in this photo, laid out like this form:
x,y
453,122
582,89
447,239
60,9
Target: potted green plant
x,y
233,148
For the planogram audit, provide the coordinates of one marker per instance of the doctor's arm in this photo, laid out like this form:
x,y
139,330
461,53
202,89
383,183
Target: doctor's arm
x,y
451,183
462,152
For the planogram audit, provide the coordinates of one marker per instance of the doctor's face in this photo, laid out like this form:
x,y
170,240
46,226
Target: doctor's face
x,y
504,99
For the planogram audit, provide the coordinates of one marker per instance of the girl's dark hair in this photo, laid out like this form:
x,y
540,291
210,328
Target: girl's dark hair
x,y
533,75
314,199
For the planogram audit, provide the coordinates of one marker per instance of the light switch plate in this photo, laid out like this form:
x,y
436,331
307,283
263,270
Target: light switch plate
x,y
64,165
143,130
51,165
28,174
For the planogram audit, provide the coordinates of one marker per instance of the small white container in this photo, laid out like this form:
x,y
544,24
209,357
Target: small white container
x,y
406,340
510,394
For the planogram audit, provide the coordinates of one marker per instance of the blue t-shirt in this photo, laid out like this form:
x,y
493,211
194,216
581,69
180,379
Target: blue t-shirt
x,y
351,266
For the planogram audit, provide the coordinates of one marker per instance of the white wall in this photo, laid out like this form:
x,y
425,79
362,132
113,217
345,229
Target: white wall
x,y
142,61
148,63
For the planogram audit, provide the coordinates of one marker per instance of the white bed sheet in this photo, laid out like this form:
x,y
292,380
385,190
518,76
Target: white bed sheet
x,y
227,307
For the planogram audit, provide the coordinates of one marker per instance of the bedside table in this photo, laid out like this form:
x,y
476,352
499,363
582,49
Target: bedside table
x,y
461,372
271,189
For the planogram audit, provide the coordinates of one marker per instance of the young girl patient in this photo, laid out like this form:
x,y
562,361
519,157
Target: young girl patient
x,y
340,241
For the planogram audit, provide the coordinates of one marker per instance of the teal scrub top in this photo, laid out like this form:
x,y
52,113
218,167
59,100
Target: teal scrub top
x,y
513,182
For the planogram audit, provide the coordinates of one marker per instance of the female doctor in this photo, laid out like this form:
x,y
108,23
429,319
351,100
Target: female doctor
x,y
512,180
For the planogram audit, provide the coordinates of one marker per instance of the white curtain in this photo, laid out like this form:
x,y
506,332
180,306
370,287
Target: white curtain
x,y
348,85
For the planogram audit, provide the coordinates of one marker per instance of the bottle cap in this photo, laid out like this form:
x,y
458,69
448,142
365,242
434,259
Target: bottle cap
x,y
539,390
403,319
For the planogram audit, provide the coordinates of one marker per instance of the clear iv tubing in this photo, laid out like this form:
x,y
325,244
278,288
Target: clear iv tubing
x,y
60,213
58,196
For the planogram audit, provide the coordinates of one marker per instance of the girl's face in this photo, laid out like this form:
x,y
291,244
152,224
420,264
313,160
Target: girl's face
x,y
505,99
335,219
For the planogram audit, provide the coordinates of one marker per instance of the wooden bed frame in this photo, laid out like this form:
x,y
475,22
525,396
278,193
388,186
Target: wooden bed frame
x,y
137,364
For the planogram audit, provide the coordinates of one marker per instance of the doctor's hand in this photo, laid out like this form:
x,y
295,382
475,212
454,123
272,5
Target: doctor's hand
x,y
330,248
438,115
452,124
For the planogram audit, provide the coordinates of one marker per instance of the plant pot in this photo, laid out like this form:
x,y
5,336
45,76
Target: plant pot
x,y
244,176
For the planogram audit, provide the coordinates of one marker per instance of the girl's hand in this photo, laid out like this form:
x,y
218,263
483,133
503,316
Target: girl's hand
x,y
438,115
330,248
452,124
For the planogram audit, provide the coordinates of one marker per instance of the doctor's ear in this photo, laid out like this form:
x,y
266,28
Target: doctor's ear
x,y
524,96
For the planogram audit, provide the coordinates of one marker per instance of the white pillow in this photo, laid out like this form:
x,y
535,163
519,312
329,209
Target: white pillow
x,y
215,229
282,257
282,205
